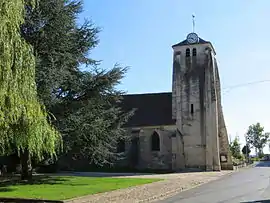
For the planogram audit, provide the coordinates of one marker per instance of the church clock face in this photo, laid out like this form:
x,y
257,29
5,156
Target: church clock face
x,y
192,38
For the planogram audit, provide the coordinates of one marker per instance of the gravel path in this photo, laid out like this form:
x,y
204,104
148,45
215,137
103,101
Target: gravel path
x,y
172,184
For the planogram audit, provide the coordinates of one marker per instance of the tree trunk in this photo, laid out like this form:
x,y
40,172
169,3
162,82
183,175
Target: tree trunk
x,y
260,152
26,170
256,152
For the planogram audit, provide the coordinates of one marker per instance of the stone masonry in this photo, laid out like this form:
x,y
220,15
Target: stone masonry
x,y
184,128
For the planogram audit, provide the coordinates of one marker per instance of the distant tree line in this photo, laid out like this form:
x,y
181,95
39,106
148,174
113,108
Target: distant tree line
x,y
255,138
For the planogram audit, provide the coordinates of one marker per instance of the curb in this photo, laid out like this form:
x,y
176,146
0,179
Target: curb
x,y
245,167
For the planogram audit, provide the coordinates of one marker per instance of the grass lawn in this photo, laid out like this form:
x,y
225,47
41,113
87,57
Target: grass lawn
x,y
62,188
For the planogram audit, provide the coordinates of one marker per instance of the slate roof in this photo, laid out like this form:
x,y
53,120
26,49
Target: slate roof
x,y
185,42
152,109
201,41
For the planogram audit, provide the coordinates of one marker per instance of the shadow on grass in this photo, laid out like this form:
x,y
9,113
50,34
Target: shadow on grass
x,y
102,174
258,201
5,182
19,200
36,180
5,189
8,181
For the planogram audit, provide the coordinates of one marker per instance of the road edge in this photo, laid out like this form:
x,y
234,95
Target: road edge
x,y
182,189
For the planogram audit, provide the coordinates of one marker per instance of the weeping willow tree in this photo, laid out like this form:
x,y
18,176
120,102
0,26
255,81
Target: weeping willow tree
x,y
24,124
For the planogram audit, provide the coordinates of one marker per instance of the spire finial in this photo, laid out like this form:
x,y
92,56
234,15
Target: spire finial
x,y
193,23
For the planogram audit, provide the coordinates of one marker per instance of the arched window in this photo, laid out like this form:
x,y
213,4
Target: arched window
x,y
194,52
155,141
187,52
121,146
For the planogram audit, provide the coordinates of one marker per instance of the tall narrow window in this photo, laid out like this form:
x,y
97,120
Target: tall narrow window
x,y
187,52
194,52
155,141
191,109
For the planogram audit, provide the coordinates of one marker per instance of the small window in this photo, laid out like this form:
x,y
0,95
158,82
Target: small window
x,y
191,109
121,146
194,52
155,142
187,52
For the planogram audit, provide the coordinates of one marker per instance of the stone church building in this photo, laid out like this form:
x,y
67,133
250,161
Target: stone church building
x,y
184,128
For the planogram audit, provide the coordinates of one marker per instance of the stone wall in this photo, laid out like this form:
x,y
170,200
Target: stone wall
x,y
196,85
178,151
160,160
225,155
142,156
192,90
211,111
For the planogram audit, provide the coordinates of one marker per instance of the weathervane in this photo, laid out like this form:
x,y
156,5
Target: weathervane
x,y
193,23
193,38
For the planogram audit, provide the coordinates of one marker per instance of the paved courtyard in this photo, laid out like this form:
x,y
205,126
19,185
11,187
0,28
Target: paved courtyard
x,y
171,185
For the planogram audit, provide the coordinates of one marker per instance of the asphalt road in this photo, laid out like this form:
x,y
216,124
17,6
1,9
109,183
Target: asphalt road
x,y
244,186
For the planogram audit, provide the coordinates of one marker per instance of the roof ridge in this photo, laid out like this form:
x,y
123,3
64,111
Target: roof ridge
x,y
148,93
185,42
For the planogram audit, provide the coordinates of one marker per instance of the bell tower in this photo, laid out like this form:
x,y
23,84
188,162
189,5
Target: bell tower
x,y
196,104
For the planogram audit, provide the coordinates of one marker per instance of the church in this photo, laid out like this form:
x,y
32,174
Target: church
x,y
184,128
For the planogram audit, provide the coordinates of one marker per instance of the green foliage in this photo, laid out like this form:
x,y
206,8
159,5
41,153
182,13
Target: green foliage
x,y
235,148
236,161
255,159
63,188
61,46
91,123
256,137
85,104
23,120
261,154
